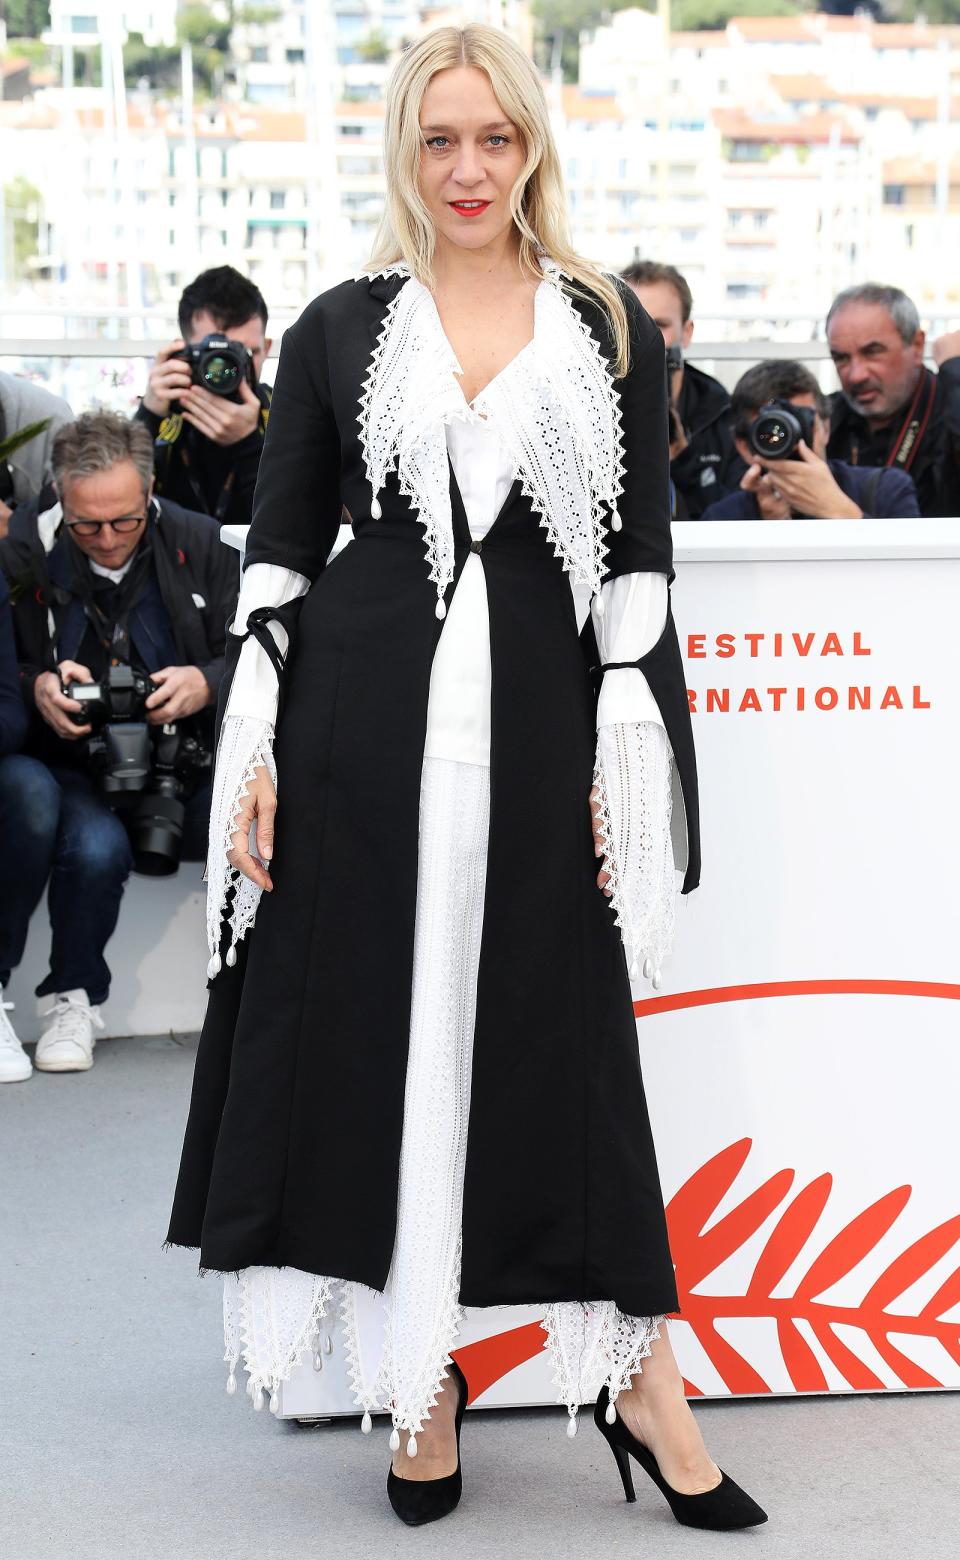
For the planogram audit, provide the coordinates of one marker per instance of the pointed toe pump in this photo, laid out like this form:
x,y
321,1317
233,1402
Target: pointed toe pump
x,y
427,1500
724,1507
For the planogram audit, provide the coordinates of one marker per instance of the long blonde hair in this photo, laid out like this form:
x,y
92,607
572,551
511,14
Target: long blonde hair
x,y
537,200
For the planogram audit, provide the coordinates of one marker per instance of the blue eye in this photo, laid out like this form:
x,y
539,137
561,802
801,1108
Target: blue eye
x,y
435,141
501,140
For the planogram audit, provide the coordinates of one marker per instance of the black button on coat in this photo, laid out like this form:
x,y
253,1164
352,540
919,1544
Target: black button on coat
x,y
293,1142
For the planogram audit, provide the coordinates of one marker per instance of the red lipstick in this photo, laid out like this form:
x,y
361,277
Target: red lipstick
x,y
469,208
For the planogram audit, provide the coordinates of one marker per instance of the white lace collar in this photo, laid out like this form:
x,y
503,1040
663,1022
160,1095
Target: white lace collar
x,y
555,407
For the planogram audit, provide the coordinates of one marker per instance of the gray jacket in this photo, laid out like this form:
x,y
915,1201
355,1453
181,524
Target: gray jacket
x,y
22,403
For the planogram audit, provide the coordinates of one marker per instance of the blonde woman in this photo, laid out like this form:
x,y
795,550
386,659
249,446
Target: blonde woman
x,y
418,1086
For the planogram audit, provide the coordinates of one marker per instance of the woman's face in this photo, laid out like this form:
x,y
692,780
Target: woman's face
x,y
470,158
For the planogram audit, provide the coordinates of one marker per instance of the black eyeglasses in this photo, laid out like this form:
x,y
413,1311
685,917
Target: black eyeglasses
x,y
123,525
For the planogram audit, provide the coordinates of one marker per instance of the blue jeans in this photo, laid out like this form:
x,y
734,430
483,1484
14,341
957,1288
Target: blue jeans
x,y
56,828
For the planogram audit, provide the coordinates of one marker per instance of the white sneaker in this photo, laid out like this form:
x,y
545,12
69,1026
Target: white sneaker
x,y
66,1045
14,1062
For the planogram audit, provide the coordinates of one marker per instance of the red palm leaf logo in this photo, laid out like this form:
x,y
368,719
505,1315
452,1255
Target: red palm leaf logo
x,y
699,1251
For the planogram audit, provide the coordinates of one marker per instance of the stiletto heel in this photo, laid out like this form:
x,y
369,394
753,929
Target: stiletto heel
x,y
725,1507
626,1472
426,1500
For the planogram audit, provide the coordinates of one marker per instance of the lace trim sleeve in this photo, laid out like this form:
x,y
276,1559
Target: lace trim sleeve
x,y
633,778
246,742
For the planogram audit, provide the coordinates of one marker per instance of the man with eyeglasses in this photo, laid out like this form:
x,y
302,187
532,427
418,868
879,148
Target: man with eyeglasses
x,y
111,578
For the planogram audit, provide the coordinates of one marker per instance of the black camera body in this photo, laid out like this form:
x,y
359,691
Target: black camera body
x,y
674,357
145,771
778,429
219,365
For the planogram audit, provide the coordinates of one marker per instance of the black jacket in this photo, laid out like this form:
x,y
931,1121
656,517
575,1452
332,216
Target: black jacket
x,y
319,997
935,467
208,478
191,566
13,716
709,467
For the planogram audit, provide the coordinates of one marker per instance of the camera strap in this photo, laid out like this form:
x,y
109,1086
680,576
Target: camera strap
x,y
905,447
219,510
109,617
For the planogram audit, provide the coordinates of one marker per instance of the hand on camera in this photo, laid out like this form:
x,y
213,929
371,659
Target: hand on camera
x,y
806,486
53,704
221,421
260,803
170,376
181,691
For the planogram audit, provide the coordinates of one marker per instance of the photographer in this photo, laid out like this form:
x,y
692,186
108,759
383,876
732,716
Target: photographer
x,y
120,637
891,410
26,469
207,417
780,419
704,464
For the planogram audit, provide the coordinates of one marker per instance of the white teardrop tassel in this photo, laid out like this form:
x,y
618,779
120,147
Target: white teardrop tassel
x,y
249,1388
375,509
258,1399
274,1401
412,1446
318,1361
616,524
366,1423
647,968
572,1423
231,1384
327,1344
213,968
634,969
232,955
599,605
657,980
395,1439
611,1414
441,607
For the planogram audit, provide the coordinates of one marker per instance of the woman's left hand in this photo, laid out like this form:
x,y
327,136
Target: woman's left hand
x,y
603,878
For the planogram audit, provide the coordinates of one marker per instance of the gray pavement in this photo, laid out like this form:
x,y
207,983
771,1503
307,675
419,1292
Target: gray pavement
x,y
118,1439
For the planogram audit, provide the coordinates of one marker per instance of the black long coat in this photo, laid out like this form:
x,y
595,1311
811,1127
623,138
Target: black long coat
x,y
293,1143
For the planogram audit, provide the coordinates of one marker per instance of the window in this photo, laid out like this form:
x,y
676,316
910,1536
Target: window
x,y
761,219
260,55
278,199
295,56
894,195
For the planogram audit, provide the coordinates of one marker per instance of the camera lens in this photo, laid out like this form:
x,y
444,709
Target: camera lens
x,y
220,373
771,435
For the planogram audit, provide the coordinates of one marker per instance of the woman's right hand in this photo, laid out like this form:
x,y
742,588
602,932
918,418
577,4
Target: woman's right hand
x,y
260,803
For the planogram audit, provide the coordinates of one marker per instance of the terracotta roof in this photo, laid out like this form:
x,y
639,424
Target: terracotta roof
x,y
907,170
927,108
579,105
803,88
737,125
366,110
774,29
910,35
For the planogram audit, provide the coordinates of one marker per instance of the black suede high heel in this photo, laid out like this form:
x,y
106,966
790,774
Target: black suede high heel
x,y
724,1507
426,1500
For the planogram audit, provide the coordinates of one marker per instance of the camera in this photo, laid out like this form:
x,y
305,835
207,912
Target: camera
x,y
219,365
778,428
674,356
145,771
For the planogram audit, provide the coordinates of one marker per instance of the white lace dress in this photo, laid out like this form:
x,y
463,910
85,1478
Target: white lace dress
x,y
398,1343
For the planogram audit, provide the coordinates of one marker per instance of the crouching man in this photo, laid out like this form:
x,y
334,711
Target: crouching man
x,y
120,604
